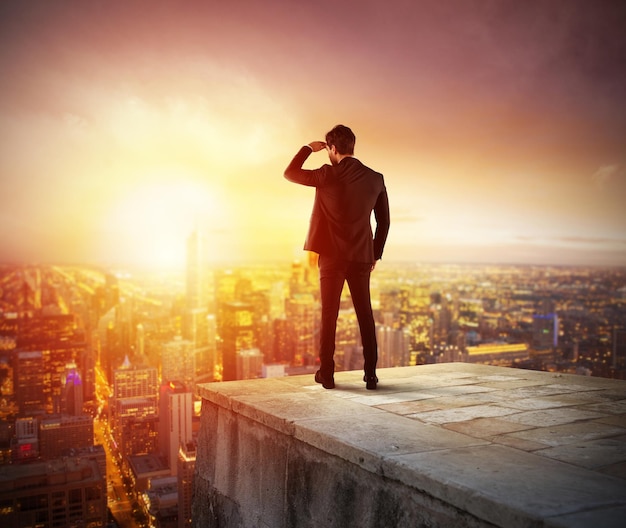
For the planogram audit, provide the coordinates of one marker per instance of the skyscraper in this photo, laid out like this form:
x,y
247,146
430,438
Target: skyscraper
x,y
72,396
393,346
619,348
134,409
67,491
302,313
29,372
178,361
545,331
25,444
237,335
58,433
186,467
196,283
175,421
198,323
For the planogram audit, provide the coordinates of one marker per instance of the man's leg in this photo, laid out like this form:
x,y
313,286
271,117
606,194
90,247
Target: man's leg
x,y
359,282
332,276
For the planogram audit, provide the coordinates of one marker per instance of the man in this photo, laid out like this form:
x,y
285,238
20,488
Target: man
x,y
346,193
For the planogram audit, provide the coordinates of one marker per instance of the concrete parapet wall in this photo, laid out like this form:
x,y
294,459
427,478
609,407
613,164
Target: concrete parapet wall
x,y
251,475
446,445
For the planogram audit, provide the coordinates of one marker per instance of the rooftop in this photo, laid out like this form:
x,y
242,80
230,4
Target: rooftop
x,y
507,447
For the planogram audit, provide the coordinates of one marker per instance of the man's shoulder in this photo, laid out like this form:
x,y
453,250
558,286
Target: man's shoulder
x,y
357,163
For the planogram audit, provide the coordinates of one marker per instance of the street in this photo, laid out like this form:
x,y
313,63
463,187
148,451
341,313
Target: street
x,y
120,500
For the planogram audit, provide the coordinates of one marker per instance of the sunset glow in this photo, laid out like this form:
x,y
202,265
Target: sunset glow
x,y
499,129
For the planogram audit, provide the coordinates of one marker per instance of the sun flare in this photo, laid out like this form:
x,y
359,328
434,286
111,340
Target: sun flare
x,y
154,220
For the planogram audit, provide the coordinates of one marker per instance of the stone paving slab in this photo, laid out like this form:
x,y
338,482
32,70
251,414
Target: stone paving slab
x,y
513,447
487,428
550,417
594,454
562,435
509,487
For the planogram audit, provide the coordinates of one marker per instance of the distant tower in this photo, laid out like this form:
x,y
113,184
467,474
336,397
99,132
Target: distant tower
x,y
198,324
393,346
72,390
303,321
249,364
140,339
312,273
175,421
441,320
206,353
134,409
237,335
196,297
186,467
58,432
296,281
178,361
29,373
619,348
25,444
545,331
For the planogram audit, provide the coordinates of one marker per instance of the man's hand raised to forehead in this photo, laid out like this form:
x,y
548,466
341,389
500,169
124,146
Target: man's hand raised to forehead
x,y
316,146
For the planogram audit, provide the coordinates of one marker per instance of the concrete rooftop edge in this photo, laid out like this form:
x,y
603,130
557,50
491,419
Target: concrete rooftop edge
x,y
497,442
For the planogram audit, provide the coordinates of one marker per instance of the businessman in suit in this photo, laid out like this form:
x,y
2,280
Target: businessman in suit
x,y
346,193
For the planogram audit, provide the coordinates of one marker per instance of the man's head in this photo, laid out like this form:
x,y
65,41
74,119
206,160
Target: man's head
x,y
340,143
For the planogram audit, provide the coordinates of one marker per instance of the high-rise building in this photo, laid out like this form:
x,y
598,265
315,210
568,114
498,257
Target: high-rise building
x,y
140,341
393,346
72,395
195,326
61,340
130,381
303,318
68,491
237,335
545,331
619,348
134,409
137,436
441,315
390,306
186,468
29,372
59,432
206,353
175,420
284,341
196,283
178,361
249,364
198,324
25,443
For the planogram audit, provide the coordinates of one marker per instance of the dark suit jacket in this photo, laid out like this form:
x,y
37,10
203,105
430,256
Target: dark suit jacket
x,y
345,196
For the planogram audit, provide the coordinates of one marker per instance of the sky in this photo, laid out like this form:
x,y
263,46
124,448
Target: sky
x,y
499,126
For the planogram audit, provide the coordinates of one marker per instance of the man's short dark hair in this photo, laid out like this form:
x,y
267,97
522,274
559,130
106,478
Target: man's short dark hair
x,y
343,138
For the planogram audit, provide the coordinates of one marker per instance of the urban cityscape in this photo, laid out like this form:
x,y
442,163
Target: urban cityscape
x,y
99,418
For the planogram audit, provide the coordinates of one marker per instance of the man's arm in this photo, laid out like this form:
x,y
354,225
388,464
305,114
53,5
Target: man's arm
x,y
294,171
383,221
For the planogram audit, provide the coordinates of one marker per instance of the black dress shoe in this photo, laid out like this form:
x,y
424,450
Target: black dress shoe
x,y
370,382
327,384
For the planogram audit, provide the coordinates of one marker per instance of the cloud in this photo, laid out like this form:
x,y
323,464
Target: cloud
x,y
572,240
592,240
607,174
406,217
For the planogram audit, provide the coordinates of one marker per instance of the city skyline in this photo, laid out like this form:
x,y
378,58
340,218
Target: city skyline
x,y
499,127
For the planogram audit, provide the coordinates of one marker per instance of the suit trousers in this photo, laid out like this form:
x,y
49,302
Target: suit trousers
x,y
334,272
